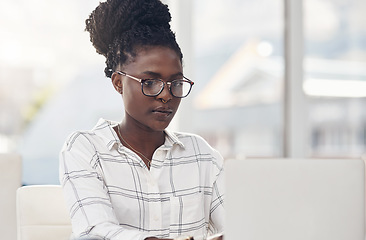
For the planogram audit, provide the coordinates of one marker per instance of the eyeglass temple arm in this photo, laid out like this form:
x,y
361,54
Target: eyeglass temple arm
x,y
189,80
139,80
125,74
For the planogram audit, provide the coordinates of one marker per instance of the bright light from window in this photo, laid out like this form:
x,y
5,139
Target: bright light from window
x,y
10,52
334,88
265,49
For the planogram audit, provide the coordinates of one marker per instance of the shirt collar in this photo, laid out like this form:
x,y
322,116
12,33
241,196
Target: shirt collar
x,y
104,129
172,139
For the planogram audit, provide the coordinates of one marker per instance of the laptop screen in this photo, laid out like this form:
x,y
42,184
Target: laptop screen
x,y
294,199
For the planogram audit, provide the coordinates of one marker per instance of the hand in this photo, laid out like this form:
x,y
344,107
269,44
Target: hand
x,y
216,238
219,236
154,238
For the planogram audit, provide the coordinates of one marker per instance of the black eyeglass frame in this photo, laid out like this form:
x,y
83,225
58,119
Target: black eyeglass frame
x,y
140,80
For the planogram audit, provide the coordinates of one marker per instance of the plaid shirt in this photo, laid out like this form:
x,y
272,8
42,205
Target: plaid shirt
x,y
111,194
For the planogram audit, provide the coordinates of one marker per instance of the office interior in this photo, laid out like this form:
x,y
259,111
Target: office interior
x,y
273,79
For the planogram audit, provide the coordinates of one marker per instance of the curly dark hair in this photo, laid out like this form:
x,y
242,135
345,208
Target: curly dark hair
x,y
120,27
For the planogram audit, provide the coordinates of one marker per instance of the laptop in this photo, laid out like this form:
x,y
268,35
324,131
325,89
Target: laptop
x,y
294,199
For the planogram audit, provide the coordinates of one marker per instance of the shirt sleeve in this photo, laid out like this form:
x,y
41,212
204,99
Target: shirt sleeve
x,y
86,195
217,211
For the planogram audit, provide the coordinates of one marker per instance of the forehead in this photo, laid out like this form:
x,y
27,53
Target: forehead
x,y
155,59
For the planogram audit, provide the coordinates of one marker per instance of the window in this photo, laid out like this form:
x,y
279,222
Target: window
x,y
238,68
233,50
335,76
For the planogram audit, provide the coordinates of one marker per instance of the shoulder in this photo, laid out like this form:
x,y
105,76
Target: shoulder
x,y
101,135
78,139
197,145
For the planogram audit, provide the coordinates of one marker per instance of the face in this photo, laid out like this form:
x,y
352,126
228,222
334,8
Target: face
x,y
149,113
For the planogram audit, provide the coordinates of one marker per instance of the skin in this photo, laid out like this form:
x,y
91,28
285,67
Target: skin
x,y
147,117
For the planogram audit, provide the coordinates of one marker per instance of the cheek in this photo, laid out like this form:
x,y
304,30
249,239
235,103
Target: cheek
x,y
131,93
177,103
131,100
134,101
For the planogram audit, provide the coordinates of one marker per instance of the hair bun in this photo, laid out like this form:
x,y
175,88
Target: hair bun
x,y
113,18
150,13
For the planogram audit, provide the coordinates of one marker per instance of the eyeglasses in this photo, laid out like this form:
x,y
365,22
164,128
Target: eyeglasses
x,y
179,88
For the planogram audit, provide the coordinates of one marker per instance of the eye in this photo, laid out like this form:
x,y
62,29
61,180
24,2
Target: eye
x,y
177,83
150,83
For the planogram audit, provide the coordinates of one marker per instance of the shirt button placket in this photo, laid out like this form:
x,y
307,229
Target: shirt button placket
x,y
154,206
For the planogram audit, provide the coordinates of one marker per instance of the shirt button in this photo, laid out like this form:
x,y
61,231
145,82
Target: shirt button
x,y
156,218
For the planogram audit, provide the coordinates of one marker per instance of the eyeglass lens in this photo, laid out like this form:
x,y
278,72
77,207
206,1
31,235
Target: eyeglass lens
x,y
178,88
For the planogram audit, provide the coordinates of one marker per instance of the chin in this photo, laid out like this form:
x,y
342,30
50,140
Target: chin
x,y
161,126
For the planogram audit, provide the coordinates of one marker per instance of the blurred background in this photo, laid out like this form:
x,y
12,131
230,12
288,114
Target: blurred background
x,y
52,80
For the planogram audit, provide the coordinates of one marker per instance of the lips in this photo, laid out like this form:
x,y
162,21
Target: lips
x,y
163,113
163,110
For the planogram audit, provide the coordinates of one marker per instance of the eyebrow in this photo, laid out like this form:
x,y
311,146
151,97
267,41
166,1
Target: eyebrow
x,y
158,75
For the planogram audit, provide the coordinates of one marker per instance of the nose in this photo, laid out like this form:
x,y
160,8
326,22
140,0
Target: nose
x,y
165,94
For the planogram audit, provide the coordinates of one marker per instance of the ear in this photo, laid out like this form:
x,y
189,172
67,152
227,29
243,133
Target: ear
x,y
117,82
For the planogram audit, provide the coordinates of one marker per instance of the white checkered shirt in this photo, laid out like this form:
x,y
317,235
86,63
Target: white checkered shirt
x,y
111,194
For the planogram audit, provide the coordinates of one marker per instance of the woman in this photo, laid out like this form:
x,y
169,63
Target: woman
x,y
135,179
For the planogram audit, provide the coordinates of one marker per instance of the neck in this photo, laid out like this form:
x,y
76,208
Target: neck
x,y
139,136
142,140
